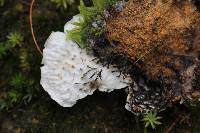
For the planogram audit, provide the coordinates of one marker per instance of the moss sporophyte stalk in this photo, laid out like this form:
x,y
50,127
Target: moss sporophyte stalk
x,y
150,48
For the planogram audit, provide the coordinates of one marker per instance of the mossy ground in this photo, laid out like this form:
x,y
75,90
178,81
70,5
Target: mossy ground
x,y
100,113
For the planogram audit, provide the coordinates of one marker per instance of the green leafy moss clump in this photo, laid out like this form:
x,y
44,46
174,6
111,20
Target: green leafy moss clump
x,y
85,28
13,39
2,2
151,119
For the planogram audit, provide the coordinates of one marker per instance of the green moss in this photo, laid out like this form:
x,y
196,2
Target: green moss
x,y
2,2
18,81
81,33
151,119
13,39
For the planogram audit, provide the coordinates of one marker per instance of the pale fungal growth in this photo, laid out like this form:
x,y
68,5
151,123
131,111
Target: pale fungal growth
x,y
70,74
151,54
70,24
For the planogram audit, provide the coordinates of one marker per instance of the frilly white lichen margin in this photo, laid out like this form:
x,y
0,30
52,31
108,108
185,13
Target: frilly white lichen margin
x,y
69,73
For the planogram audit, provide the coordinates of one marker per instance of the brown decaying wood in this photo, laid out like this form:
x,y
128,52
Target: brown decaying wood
x,y
162,38
143,28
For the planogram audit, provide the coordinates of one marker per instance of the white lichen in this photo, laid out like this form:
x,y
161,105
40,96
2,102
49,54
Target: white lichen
x,y
69,73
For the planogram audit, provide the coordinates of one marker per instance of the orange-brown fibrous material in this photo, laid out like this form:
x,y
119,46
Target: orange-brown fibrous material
x,y
162,39
153,32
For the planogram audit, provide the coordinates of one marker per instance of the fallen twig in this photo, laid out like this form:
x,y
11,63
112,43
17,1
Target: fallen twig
x,y
177,119
31,27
